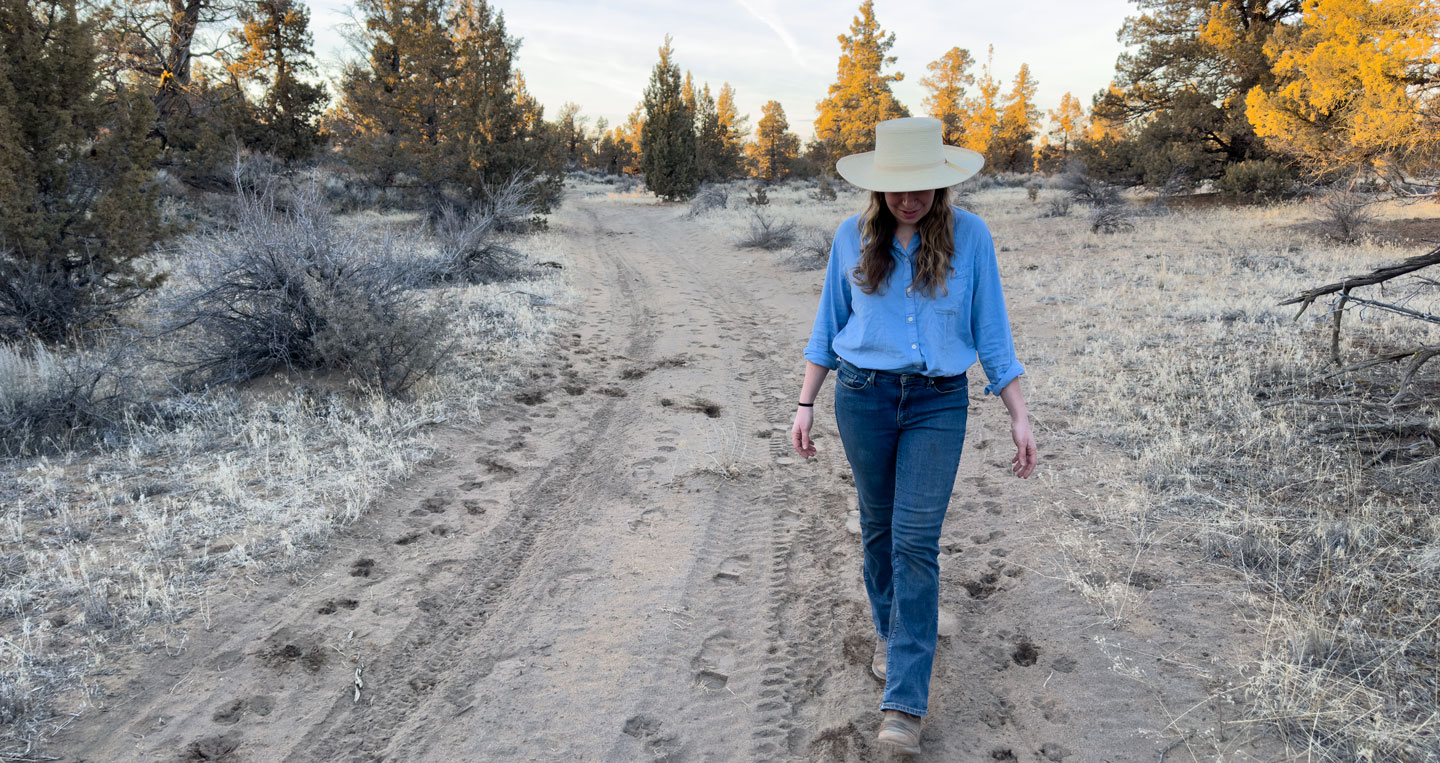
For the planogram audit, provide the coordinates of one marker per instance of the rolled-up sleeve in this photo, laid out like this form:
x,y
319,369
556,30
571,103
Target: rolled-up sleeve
x,y
834,309
989,323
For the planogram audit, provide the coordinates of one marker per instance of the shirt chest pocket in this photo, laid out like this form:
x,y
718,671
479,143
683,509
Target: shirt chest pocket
x,y
947,319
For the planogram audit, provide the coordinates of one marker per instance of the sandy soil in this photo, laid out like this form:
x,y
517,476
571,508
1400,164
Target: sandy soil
x,y
628,563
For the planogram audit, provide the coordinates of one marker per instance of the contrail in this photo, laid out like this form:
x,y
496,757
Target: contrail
x,y
767,17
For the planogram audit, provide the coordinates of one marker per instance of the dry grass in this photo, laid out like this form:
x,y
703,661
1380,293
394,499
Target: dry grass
x,y
1174,352
107,549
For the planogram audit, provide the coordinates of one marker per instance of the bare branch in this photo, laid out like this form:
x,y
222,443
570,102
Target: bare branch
x,y
1379,275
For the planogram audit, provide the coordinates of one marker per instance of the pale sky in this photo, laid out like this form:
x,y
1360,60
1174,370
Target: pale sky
x,y
599,53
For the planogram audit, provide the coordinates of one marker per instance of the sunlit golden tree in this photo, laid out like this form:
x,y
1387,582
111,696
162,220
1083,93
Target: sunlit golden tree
x,y
860,97
1011,149
1357,88
949,76
775,148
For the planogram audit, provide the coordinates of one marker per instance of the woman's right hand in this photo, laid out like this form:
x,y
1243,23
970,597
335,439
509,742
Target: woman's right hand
x,y
800,431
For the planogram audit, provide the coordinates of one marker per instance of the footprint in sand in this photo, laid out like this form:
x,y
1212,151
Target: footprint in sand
x,y
644,520
331,606
213,748
497,468
1025,653
362,568
570,581
231,713
732,568
716,661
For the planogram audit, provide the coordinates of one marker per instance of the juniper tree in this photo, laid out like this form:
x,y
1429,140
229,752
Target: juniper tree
x,y
667,140
276,55
1357,88
1182,85
75,216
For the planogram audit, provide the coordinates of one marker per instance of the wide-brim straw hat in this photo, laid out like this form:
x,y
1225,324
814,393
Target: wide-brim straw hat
x,y
909,155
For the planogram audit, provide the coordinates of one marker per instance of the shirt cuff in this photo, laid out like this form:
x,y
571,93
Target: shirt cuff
x,y
1000,382
830,361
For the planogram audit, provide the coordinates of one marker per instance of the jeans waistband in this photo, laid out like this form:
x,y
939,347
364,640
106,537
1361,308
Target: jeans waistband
x,y
893,376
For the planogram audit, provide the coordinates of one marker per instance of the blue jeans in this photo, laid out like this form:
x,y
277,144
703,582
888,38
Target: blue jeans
x,y
903,435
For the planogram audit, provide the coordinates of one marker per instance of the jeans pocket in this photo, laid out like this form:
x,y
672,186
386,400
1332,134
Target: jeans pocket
x,y
953,385
851,379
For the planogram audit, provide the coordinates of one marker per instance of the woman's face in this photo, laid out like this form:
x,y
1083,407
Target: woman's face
x,y
909,207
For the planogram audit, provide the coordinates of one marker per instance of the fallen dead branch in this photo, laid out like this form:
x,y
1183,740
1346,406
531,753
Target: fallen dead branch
x,y
1418,356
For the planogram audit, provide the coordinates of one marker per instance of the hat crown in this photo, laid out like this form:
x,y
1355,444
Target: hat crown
x,y
909,143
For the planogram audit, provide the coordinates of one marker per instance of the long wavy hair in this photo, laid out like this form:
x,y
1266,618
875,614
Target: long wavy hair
x,y
932,258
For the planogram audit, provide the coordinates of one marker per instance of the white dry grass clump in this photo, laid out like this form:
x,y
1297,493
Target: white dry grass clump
x,y
113,546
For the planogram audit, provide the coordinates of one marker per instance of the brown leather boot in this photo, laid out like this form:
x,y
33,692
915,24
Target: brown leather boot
x,y
900,732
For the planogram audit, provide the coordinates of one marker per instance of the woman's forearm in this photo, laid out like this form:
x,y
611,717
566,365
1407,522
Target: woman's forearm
x,y
1014,400
814,379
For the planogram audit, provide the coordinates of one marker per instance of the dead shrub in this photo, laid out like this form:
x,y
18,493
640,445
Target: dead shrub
x,y
1345,215
51,402
1058,207
1087,189
294,291
812,251
1111,219
757,197
767,233
709,198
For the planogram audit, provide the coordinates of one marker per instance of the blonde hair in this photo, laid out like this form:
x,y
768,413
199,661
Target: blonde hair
x,y
931,260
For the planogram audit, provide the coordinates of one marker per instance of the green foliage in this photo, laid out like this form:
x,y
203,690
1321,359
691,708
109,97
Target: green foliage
x,y
775,148
1257,180
667,139
1181,86
277,52
438,102
74,164
860,97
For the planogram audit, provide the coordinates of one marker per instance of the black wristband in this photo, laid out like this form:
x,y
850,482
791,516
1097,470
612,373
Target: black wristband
x,y
807,405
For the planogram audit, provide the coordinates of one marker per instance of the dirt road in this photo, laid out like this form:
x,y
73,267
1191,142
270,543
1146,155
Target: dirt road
x,y
628,563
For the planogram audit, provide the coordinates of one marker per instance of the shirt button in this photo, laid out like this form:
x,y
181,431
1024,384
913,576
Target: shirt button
x,y
911,319
914,346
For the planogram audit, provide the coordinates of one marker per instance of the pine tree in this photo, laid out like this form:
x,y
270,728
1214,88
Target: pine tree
x,y
277,53
667,140
733,128
949,76
1068,127
1356,88
709,140
982,113
775,148
1011,149
76,161
860,97
570,125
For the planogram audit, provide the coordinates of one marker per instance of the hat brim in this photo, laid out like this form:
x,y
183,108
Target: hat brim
x,y
959,164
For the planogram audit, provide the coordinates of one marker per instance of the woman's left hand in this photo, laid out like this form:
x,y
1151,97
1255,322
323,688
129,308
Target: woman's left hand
x,y
1024,461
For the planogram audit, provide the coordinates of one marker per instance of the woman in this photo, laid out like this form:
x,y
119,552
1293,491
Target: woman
x,y
911,300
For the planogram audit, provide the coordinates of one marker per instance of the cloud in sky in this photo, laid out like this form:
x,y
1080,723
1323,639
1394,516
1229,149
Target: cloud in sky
x,y
599,53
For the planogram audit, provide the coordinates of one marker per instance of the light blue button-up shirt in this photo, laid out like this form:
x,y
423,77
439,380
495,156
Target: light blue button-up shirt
x,y
900,329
